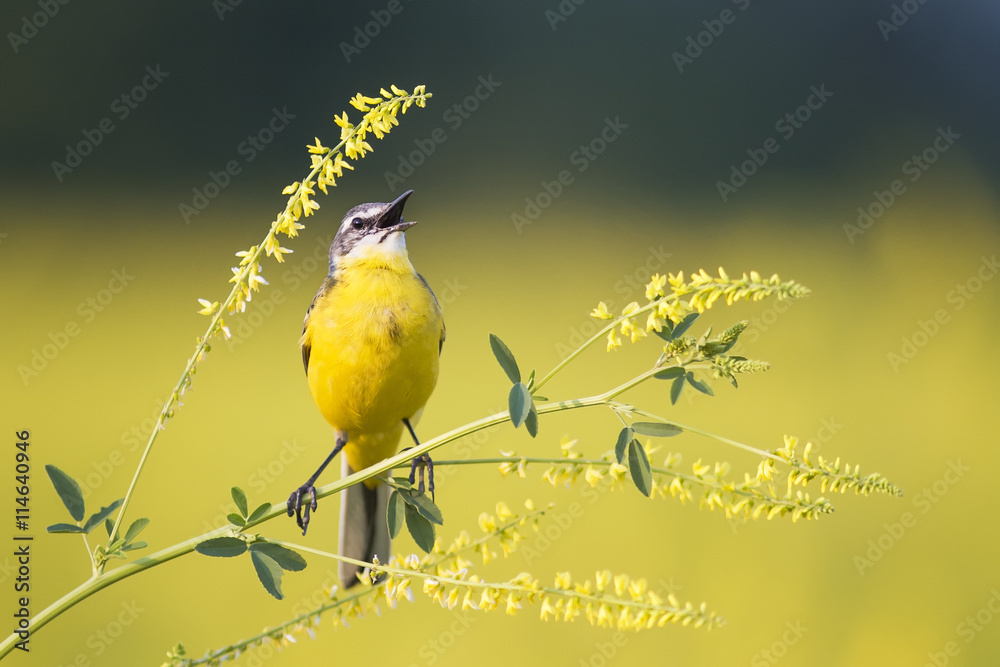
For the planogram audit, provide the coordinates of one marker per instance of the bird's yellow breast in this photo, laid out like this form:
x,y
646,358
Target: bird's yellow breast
x,y
374,340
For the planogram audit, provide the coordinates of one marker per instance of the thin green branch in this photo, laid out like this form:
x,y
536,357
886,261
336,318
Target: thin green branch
x,y
241,283
302,618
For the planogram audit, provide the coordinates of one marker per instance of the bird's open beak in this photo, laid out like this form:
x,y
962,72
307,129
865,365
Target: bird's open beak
x,y
392,219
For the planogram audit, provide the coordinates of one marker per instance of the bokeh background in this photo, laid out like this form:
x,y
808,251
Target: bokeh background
x,y
650,200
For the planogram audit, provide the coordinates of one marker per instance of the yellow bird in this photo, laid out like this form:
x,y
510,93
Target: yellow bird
x,y
370,346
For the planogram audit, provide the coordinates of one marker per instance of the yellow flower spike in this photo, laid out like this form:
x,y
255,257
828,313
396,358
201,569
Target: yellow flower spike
x,y
604,617
614,342
487,523
601,312
654,322
630,308
621,584
453,598
547,610
603,578
593,476
563,581
655,287
208,307
513,604
503,512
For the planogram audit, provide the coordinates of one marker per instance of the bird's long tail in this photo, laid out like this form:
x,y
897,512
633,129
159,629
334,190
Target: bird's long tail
x,y
363,529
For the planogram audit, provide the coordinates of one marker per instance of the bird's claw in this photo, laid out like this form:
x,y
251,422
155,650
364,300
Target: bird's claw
x,y
421,462
296,508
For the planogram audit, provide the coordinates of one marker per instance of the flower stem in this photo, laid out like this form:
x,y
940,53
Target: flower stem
x,y
214,325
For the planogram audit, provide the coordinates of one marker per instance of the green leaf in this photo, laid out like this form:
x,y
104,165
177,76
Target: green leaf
x,y
395,514
531,421
269,573
222,547
666,332
669,373
624,437
240,499
698,384
638,465
420,528
68,490
519,403
259,512
236,520
133,531
97,518
65,528
531,379
681,328
506,359
399,483
132,546
675,389
287,559
656,429
109,525
424,505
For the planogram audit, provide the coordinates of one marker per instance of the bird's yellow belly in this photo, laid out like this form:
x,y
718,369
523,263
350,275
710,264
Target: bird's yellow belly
x,y
374,352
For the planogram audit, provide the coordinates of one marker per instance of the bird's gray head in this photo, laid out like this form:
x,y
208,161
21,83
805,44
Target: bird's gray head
x,y
368,225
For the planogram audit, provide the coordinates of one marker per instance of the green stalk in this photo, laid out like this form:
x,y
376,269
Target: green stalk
x,y
103,580
600,334
213,326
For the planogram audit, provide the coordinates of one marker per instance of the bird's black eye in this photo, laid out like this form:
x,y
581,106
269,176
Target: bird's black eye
x,y
357,223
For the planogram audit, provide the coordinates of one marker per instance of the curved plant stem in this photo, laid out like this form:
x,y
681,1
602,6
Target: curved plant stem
x,y
103,580
214,325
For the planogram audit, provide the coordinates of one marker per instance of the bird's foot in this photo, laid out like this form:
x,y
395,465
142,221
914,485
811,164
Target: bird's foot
x,y
421,462
300,510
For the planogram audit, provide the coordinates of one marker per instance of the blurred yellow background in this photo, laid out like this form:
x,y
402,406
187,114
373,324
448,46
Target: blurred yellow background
x,y
791,593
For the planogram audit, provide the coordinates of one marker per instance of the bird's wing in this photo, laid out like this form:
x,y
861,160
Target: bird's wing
x,y
444,330
305,342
